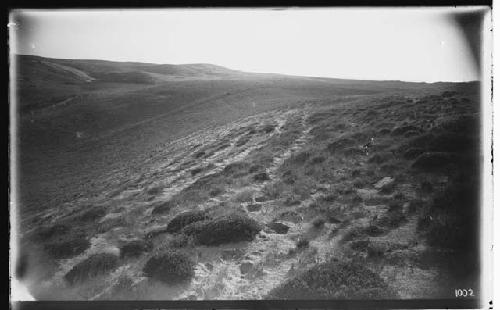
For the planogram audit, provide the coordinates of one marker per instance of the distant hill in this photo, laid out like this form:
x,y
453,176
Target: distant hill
x,y
87,70
47,82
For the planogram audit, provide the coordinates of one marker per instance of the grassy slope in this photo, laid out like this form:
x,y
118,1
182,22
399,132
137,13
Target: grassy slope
x,y
412,237
123,122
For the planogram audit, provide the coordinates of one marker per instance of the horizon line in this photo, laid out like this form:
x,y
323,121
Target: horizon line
x,y
228,68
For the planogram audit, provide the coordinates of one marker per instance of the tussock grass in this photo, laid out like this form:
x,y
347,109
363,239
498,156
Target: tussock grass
x,y
184,219
163,208
228,228
245,196
67,248
134,248
170,267
334,280
95,265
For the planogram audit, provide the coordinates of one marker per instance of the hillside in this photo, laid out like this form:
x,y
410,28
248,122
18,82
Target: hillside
x,y
254,185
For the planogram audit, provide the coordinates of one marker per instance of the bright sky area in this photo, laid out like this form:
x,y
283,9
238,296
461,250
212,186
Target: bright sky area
x,y
380,44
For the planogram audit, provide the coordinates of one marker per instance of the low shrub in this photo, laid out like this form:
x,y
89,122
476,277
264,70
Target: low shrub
x,y
67,248
354,151
374,231
302,243
415,205
278,227
378,158
245,196
154,191
393,218
134,248
93,214
46,233
434,161
195,171
179,241
184,219
452,142
426,187
163,208
413,153
95,265
319,222
404,129
233,227
199,154
317,160
340,144
334,280
216,191
170,267
268,128
352,234
236,168
360,245
274,190
300,158
260,177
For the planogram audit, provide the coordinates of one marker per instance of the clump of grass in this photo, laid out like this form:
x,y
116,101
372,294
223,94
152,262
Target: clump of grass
x,y
405,129
134,248
451,221
170,267
199,154
216,191
360,183
317,160
394,217
274,190
319,222
184,219
378,158
300,158
46,233
195,171
67,248
255,168
334,280
360,245
340,144
426,187
179,241
245,195
232,227
93,214
154,191
353,233
260,177
95,265
242,141
399,196
374,231
268,128
236,169
302,243
388,188
415,205
163,208
433,161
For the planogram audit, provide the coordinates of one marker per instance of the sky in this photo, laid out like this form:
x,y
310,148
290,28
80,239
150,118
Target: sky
x,y
423,45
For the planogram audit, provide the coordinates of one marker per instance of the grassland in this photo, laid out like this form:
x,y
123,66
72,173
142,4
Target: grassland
x,y
251,187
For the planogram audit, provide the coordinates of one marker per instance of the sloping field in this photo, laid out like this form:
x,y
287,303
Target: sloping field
x,y
235,188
